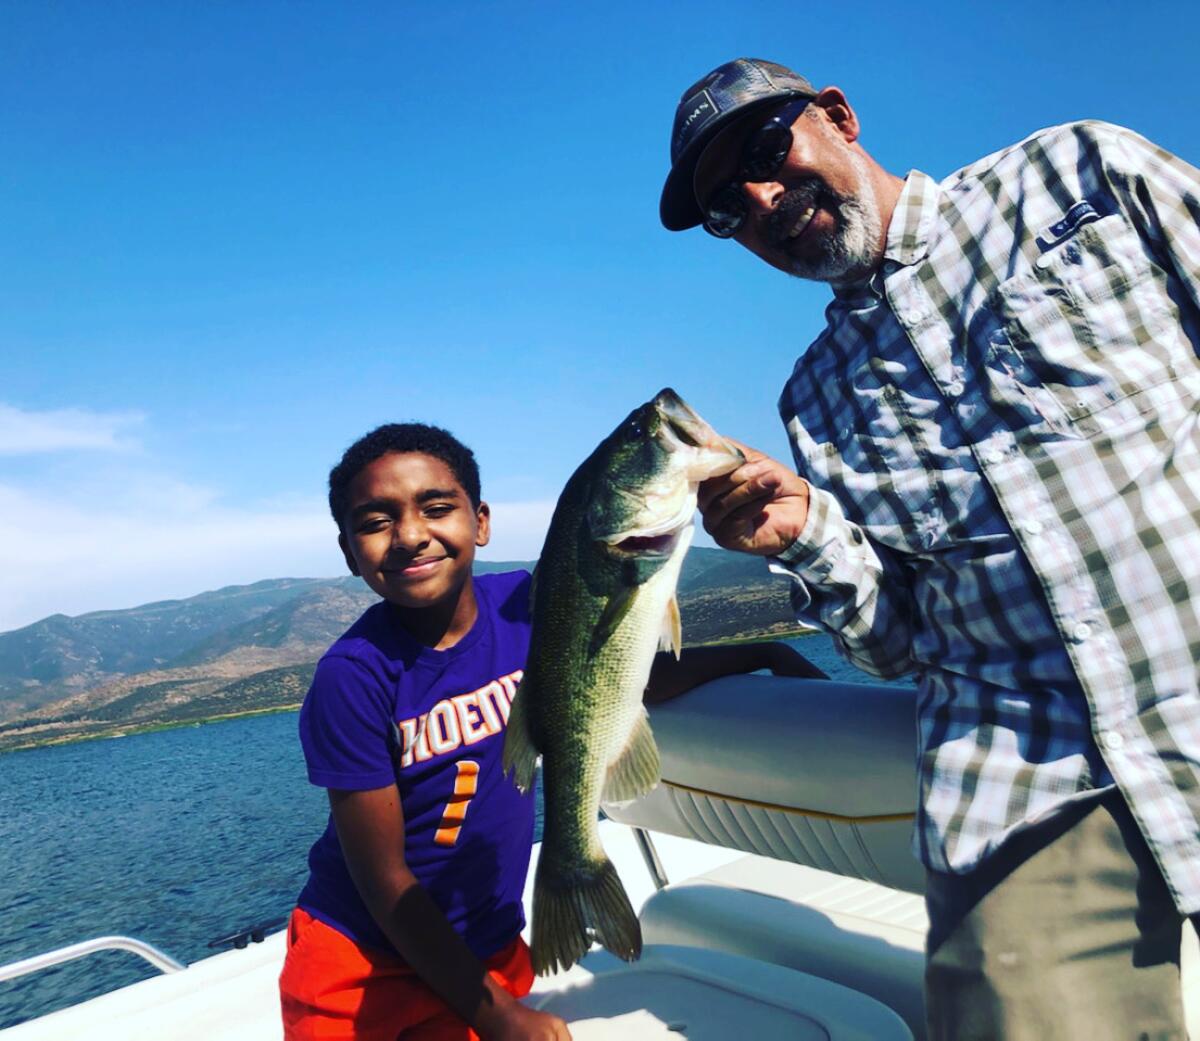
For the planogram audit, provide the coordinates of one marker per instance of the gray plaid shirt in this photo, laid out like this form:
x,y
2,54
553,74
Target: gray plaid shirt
x,y
1001,431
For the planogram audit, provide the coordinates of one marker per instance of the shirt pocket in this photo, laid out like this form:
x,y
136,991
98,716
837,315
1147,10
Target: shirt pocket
x,y
1092,324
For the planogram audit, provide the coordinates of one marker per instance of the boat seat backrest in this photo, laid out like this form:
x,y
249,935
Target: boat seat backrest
x,y
815,772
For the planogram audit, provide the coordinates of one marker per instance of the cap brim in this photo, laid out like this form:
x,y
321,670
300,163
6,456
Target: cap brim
x,y
678,209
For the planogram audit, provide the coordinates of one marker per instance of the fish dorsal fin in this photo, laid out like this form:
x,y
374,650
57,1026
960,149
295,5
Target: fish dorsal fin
x,y
615,610
520,753
671,637
636,770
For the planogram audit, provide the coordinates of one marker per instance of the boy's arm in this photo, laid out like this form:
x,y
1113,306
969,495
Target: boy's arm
x,y
696,665
370,828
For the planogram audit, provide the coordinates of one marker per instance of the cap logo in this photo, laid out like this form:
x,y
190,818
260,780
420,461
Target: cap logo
x,y
694,113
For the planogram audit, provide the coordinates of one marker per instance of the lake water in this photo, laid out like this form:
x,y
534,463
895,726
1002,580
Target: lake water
x,y
177,838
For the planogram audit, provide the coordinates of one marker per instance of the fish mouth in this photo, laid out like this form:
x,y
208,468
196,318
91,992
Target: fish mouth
x,y
683,429
646,545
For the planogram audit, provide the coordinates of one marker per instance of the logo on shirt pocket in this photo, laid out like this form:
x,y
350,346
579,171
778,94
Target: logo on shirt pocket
x,y
1090,320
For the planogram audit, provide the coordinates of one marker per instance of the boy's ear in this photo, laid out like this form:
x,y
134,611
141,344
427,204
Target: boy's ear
x,y
345,545
483,515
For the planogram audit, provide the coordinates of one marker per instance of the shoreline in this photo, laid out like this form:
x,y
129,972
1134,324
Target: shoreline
x,y
119,730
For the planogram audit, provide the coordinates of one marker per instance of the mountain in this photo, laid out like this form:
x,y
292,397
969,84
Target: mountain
x,y
57,655
252,648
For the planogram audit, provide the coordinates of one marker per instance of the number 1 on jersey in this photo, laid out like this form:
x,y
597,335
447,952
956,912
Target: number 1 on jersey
x,y
456,809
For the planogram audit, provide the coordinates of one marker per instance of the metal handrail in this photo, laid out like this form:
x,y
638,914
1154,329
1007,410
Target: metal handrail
x,y
650,855
162,962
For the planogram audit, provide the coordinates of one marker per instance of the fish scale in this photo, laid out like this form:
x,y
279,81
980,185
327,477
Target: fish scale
x,y
603,601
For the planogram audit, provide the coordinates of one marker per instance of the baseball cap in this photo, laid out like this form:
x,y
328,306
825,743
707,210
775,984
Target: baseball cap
x,y
707,107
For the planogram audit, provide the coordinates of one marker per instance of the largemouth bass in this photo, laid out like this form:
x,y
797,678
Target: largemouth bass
x,y
603,602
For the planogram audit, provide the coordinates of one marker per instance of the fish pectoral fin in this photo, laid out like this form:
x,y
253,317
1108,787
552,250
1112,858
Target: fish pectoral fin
x,y
636,770
520,753
671,637
615,610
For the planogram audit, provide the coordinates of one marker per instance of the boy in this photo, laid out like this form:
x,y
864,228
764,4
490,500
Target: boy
x,y
409,925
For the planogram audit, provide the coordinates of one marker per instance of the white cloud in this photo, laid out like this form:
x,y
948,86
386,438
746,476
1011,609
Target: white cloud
x,y
63,557
31,433
153,540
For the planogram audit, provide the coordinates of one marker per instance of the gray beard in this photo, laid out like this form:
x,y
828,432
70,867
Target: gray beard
x,y
853,249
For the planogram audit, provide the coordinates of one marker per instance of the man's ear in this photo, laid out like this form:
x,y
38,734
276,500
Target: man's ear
x,y
838,112
483,515
345,546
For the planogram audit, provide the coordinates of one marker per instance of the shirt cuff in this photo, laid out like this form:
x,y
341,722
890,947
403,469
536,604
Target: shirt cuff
x,y
816,550
355,782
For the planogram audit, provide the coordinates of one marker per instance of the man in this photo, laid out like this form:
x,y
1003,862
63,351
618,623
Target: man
x,y
997,437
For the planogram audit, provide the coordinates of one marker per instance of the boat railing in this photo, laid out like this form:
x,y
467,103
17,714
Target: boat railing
x,y
163,962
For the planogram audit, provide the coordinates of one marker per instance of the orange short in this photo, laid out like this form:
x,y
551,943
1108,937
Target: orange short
x,y
334,990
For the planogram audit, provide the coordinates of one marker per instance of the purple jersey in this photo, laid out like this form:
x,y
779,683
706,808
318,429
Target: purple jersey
x,y
384,709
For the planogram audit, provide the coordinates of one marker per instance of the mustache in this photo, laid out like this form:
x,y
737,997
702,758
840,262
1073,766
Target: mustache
x,y
793,203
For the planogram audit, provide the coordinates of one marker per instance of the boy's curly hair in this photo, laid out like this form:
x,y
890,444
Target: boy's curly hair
x,y
402,437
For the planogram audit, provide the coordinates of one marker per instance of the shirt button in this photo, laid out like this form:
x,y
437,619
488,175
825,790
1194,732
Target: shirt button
x,y
1081,631
955,388
1112,740
995,456
1034,527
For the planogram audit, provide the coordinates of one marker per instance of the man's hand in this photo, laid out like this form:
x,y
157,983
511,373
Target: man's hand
x,y
760,508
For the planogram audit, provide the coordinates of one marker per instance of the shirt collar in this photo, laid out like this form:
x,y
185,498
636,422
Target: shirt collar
x,y
908,234
912,220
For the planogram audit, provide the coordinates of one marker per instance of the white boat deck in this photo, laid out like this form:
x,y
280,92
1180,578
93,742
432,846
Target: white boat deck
x,y
793,909
233,996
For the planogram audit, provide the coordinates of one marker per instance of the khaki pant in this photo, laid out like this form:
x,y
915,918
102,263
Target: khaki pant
x,y
1068,932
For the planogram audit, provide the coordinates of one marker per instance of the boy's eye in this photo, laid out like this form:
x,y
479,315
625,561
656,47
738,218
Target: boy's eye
x,y
438,509
373,524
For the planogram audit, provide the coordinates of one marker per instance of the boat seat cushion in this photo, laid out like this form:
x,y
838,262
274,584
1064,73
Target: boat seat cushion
x,y
706,995
858,934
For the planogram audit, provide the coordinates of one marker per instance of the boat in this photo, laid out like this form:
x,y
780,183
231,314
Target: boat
x,y
771,867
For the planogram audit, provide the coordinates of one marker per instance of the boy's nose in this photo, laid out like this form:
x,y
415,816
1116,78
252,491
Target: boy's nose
x,y
409,534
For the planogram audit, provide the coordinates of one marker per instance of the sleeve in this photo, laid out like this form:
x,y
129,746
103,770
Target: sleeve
x,y
840,583
1161,194
346,728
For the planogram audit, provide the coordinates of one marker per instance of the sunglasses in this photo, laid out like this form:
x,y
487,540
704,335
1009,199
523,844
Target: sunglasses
x,y
763,153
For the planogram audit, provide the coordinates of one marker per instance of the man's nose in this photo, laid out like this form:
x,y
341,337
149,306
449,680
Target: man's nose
x,y
763,196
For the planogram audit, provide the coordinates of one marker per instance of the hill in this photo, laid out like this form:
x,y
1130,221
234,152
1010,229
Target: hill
x,y
252,648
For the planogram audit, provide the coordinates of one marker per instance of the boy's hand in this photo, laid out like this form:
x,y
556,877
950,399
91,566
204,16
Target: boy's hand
x,y
760,508
518,1023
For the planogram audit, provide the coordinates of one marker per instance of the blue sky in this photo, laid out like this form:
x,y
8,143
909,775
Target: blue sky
x,y
235,236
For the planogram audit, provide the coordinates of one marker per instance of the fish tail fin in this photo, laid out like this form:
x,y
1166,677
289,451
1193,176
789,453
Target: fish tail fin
x,y
520,753
563,910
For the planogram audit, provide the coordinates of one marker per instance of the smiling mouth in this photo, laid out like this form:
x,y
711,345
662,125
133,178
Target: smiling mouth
x,y
800,224
795,215
415,568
